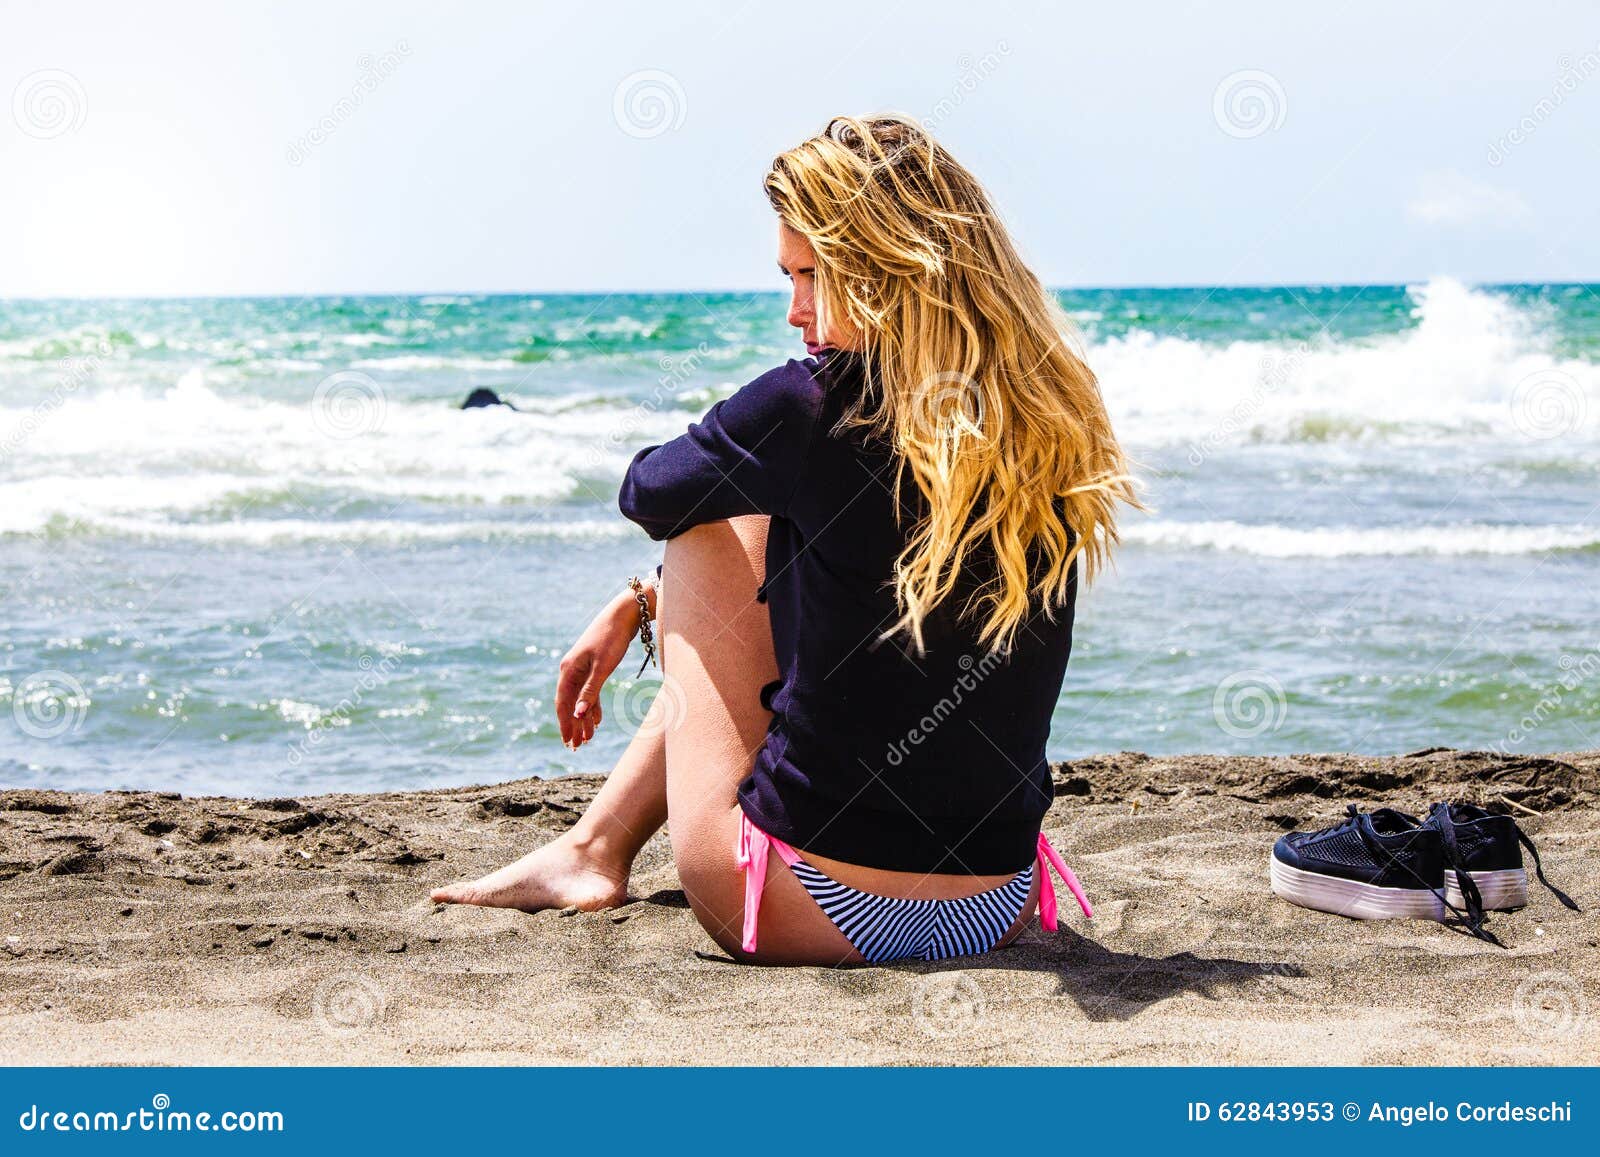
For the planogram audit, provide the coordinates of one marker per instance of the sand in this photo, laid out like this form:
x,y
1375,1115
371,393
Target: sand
x,y
144,928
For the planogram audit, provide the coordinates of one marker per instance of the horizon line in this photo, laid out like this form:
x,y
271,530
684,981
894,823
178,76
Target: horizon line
x,y
721,292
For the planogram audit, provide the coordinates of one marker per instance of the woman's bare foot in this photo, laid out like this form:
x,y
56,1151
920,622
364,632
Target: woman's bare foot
x,y
565,873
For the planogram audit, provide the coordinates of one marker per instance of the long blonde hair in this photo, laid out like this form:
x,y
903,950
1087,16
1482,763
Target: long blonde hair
x,y
975,376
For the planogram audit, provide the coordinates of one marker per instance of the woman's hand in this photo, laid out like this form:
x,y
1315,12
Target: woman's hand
x,y
586,667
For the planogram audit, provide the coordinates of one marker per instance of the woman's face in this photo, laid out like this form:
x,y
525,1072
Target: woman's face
x,y
799,264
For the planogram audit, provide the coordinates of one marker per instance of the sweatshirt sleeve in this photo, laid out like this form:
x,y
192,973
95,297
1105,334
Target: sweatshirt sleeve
x,y
744,457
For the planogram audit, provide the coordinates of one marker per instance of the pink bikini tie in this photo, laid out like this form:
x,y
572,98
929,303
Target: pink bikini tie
x,y
750,853
1048,911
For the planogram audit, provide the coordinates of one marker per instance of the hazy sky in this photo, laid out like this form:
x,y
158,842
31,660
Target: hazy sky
x,y
291,147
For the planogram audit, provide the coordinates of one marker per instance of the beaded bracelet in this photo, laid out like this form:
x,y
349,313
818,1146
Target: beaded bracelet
x,y
646,636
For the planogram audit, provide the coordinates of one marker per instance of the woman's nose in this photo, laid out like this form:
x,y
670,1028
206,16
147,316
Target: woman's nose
x,y
799,311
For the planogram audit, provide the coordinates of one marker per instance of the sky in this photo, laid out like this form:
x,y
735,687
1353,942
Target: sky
x,y
389,147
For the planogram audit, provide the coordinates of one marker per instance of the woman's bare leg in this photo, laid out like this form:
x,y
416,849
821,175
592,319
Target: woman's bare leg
x,y
694,748
716,651
709,713
587,867
711,696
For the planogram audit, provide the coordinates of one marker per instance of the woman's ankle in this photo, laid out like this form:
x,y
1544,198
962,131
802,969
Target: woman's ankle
x,y
605,850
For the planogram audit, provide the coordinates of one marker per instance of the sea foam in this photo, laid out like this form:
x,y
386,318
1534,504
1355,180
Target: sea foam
x,y
1473,366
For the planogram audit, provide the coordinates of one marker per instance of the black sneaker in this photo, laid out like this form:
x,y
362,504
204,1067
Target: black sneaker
x,y
1487,849
1377,866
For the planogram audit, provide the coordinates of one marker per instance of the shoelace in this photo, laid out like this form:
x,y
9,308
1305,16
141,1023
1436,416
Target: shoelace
x,y
1538,870
1472,917
1449,826
1352,813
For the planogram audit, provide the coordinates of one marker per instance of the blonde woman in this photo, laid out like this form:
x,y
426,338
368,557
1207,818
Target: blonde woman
x,y
865,607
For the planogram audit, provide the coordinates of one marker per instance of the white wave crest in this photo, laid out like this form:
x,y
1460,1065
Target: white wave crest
x,y
1276,541
1456,373
125,450
284,531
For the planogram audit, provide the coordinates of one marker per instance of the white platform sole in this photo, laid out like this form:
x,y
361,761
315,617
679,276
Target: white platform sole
x,y
1507,888
1351,897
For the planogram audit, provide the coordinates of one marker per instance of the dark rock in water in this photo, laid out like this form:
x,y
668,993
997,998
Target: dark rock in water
x,y
483,397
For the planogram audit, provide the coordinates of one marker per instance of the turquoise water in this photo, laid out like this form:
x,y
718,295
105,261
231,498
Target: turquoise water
x,y
249,546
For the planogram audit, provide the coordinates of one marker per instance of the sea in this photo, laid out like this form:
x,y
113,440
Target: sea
x,y
252,546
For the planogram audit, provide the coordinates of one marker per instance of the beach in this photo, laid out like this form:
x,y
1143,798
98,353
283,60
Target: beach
x,y
149,928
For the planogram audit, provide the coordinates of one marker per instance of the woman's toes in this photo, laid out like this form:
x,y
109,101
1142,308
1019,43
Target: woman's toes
x,y
451,894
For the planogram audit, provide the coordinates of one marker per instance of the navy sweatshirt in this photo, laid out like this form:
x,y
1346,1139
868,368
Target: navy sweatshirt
x,y
875,755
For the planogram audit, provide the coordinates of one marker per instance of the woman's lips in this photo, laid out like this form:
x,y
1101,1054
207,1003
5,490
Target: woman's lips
x,y
814,348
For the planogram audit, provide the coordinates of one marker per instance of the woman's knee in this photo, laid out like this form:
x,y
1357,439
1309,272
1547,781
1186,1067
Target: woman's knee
x,y
713,547
714,887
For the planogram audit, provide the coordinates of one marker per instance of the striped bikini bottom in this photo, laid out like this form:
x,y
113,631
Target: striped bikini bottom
x,y
886,928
